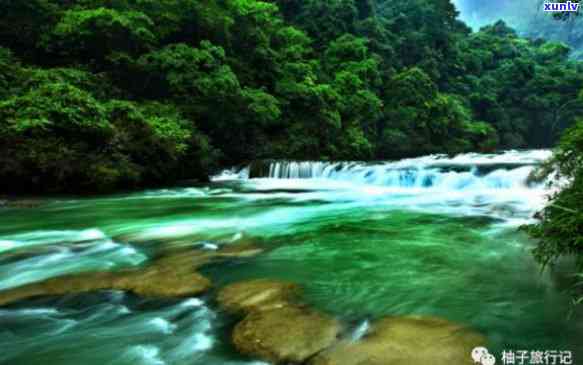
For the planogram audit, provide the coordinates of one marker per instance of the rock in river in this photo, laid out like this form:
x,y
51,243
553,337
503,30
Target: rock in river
x,y
406,341
276,328
172,275
286,334
249,296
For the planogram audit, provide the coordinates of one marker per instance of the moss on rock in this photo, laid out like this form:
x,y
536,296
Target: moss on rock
x,y
285,334
406,341
276,328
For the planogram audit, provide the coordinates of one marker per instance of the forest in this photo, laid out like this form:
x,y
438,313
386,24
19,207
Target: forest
x,y
99,95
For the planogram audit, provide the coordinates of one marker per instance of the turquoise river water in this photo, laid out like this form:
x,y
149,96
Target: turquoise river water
x,y
428,236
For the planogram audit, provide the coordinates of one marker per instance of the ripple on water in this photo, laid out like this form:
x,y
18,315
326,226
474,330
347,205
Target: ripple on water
x,y
163,325
46,256
142,354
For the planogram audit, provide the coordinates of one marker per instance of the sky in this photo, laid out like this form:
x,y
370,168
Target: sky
x,y
517,13
527,17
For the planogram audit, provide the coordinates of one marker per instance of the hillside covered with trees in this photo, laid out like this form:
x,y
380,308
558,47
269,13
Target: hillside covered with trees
x,y
528,18
103,94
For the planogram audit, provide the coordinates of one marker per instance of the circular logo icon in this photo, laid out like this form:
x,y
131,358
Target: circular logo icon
x,y
481,356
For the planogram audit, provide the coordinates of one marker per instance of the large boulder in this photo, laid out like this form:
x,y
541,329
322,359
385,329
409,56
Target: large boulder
x,y
285,334
275,327
406,341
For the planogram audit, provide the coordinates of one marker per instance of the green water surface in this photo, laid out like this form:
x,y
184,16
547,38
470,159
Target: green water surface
x,y
358,259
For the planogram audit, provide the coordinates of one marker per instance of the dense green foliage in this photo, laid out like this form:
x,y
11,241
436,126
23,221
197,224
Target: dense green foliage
x,y
560,229
103,94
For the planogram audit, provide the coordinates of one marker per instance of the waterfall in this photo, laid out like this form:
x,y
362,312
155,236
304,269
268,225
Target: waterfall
x,y
505,170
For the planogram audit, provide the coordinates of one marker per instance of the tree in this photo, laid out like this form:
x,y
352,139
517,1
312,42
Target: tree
x,y
22,24
97,35
423,120
183,71
559,232
56,136
9,72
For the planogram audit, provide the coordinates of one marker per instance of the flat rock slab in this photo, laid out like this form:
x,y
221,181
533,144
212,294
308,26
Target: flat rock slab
x,y
406,341
288,334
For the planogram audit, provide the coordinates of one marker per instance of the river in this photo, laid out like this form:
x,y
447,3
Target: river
x,y
426,236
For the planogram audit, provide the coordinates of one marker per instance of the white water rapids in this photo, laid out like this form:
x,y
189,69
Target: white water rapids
x,y
496,185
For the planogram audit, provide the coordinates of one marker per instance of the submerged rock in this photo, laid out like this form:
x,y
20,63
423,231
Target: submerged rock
x,y
285,334
200,257
172,275
406,341
276,328
256,295
21,203
163,281
242,250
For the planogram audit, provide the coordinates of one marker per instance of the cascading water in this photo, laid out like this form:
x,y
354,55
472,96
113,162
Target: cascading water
x,y
505,170
496,185
451,177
